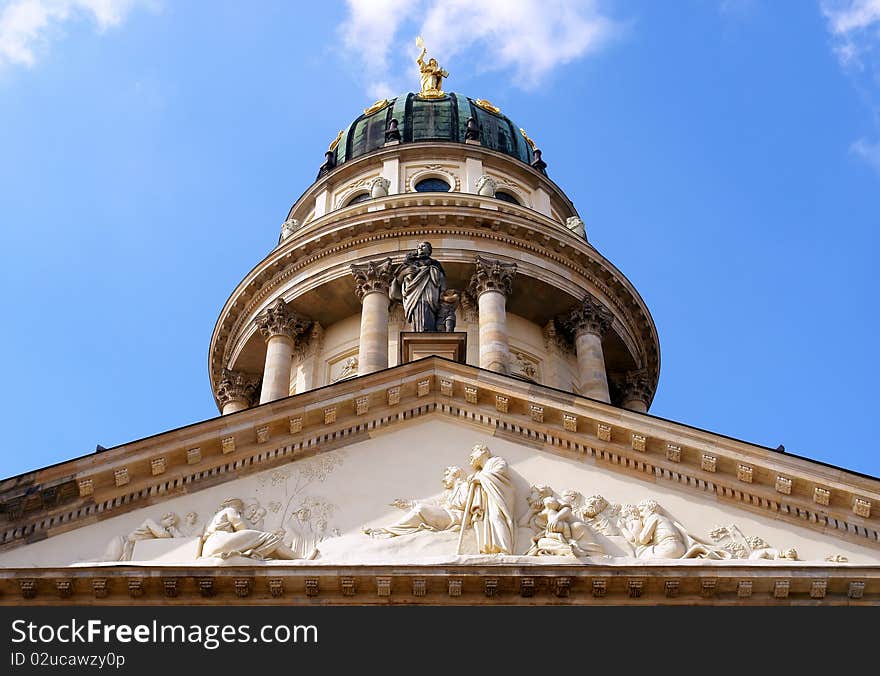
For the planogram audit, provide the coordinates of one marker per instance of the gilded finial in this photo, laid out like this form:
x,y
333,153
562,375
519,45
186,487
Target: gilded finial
x,y
335,142
431,74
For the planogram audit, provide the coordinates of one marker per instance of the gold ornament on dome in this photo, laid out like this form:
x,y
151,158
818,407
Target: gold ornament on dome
x,y
335,142
526,137
376,107
486,105
431,74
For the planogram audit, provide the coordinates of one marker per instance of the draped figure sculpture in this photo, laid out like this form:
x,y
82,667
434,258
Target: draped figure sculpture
x,y
561,533
654,535
423,515
418,283
121,547
430,74
228,534
490,503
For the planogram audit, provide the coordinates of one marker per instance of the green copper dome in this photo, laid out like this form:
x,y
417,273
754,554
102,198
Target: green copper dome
x,y
424,119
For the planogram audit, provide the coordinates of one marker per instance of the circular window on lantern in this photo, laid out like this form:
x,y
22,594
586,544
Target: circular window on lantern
x,y
432,185
506,197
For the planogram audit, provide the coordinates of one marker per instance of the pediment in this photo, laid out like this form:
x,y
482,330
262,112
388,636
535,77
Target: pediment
x,y
340,503
324,468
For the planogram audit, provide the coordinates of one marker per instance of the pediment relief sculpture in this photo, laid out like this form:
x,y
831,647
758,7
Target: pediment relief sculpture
x,y
228,535
486,497
121,547
444,514
565,524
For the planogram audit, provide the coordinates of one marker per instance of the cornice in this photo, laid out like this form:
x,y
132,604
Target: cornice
x,y
148,471
500,584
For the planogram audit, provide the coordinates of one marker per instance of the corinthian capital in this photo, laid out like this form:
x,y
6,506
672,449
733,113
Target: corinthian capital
x,y
590,316
492,275
237,386
372,277
636,386
279,319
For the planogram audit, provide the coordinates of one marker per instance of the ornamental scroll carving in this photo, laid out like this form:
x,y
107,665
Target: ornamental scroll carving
x,y
372,277
238,386
636,386
492,275
279,319
589,316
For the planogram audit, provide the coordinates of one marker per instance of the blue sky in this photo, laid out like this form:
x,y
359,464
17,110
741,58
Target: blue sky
x,y
725,155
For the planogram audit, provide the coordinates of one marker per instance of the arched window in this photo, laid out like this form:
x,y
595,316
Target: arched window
x,y
357,199
432,185
506,197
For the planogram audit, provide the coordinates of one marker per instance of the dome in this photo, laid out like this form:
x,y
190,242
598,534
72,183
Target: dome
x,y
429,119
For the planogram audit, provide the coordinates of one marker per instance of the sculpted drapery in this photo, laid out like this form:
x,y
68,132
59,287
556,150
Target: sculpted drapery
x,y
429,516
492,509
418,283
229,535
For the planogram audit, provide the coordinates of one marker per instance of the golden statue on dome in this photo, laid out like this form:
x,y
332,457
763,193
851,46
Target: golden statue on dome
x,y
431,74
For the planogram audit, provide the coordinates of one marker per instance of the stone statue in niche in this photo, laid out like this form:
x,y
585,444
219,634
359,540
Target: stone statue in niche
x,y
446,314
490,503
561,533
228,534
392,133
121,547
418,283
427,515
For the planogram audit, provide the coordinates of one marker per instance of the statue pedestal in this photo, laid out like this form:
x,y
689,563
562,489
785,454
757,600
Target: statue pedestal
x,y
414,345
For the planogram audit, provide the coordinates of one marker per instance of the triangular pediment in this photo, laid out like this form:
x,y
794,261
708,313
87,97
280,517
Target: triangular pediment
x,y
323,470
340,502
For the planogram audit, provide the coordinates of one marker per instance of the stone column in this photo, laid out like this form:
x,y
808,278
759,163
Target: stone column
x,y
237,390
280,326
637,391
491,283
372,281
589,321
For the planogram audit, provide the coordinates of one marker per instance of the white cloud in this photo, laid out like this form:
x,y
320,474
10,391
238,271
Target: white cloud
x,y
368,33
855,25
27,26
846,16
867,151
527,38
